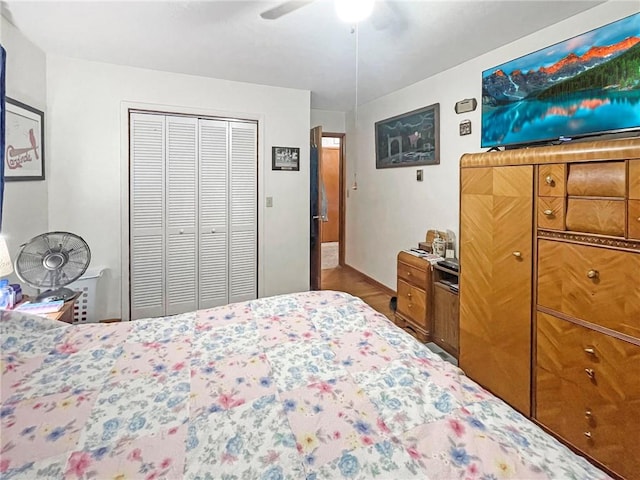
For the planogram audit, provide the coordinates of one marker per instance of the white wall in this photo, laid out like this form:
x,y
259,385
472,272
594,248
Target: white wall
x,y
391,210
25,203
331,121
87,104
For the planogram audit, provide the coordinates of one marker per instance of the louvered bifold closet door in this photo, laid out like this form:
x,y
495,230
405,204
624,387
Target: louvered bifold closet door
x,y
243,212
181,253
147,211
213,214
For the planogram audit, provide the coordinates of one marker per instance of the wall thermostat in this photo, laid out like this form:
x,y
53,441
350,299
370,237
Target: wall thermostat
x,y
465,127
466,105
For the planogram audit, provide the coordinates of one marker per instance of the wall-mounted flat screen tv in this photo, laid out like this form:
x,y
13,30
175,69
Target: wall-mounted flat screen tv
x,y
587,85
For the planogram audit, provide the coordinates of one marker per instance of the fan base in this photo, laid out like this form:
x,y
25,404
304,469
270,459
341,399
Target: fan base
x,y
63,294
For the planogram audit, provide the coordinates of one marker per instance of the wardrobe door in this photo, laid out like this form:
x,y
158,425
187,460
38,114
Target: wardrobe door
x,y
146,214
181,191
496,228
243,219
213,214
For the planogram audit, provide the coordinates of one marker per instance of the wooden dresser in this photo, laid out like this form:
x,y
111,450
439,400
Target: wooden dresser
x,y
550,290
413,311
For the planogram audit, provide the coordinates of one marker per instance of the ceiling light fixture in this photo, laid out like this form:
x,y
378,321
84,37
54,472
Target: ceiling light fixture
x,y
353,11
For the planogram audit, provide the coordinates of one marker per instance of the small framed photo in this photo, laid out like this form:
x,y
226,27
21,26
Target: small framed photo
x,y
285,158
24,142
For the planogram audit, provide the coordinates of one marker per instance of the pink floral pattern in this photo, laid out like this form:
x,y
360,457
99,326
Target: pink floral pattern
x,y
313,385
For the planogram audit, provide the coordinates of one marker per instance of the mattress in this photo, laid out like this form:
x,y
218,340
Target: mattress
x,y
303,386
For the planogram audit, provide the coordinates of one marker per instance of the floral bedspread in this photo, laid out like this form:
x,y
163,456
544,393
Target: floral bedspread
x,y
304,386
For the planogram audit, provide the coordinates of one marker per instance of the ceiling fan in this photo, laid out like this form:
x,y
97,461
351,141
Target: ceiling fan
x,y
284,8
350,11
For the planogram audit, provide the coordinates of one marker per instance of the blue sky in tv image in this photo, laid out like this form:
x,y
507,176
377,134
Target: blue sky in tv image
x,y
589,84
609,34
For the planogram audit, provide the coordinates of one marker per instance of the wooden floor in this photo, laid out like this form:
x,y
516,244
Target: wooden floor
x,y
350,281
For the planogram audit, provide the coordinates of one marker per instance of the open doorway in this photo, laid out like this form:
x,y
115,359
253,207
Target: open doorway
x,y
330,177
327,243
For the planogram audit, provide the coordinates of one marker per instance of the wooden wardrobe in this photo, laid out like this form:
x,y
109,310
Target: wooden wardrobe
x,y
550,290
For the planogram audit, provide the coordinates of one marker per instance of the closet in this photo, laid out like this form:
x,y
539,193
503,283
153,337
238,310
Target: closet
x,y
193,213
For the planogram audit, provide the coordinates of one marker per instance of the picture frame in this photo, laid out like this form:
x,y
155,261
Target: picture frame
x,y
285,158
24,142
410,139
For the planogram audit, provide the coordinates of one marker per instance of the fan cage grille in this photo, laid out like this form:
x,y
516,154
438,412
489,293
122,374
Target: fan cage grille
x,y
67,247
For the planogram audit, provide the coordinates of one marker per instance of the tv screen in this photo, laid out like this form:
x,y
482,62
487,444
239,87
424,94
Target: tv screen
x,y
587,85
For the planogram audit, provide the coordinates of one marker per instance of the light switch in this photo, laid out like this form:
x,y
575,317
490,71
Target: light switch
x,y
269,201
419,175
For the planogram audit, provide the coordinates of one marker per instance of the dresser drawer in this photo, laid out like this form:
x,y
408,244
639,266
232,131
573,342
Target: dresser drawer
x,y
599,364
412,303
605,217
634,219
605,430
606,179
411,274
634,179
595,284
551,180
551,213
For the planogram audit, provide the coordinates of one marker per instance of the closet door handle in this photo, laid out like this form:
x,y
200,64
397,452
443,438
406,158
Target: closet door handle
x,y
181,231
213,230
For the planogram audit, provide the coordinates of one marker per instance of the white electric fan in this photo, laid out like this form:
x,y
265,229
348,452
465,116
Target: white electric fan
x,y
51,261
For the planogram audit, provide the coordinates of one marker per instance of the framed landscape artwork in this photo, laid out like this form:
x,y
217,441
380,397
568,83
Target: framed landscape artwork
x,y
410,139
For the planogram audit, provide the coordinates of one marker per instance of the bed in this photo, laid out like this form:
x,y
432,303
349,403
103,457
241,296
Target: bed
x,y
303,386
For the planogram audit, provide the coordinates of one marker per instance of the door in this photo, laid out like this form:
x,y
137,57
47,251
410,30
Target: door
x,y
213,272
181,190
147,215
243,212
315,226
496,229
330,173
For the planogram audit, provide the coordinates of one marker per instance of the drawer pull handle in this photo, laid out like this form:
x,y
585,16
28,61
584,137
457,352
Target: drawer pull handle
x,y
588,414
590,350
517,254
592,273
548,212
587,434
549,180
590,372
409,295
408,274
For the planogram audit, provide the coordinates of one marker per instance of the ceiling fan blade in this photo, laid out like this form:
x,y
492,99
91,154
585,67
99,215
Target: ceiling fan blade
x,y
283,9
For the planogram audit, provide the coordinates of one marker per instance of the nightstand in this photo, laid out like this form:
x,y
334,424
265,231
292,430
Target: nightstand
x,y
413,312
65,314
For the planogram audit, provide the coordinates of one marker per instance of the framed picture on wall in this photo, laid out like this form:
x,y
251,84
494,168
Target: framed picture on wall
x,y
410,139
24,142
285,158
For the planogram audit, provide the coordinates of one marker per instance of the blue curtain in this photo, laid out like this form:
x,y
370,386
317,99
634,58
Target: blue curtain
x,y
3,56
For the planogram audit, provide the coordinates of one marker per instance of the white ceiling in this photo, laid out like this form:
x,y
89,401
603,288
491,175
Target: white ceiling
x,y
402,43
